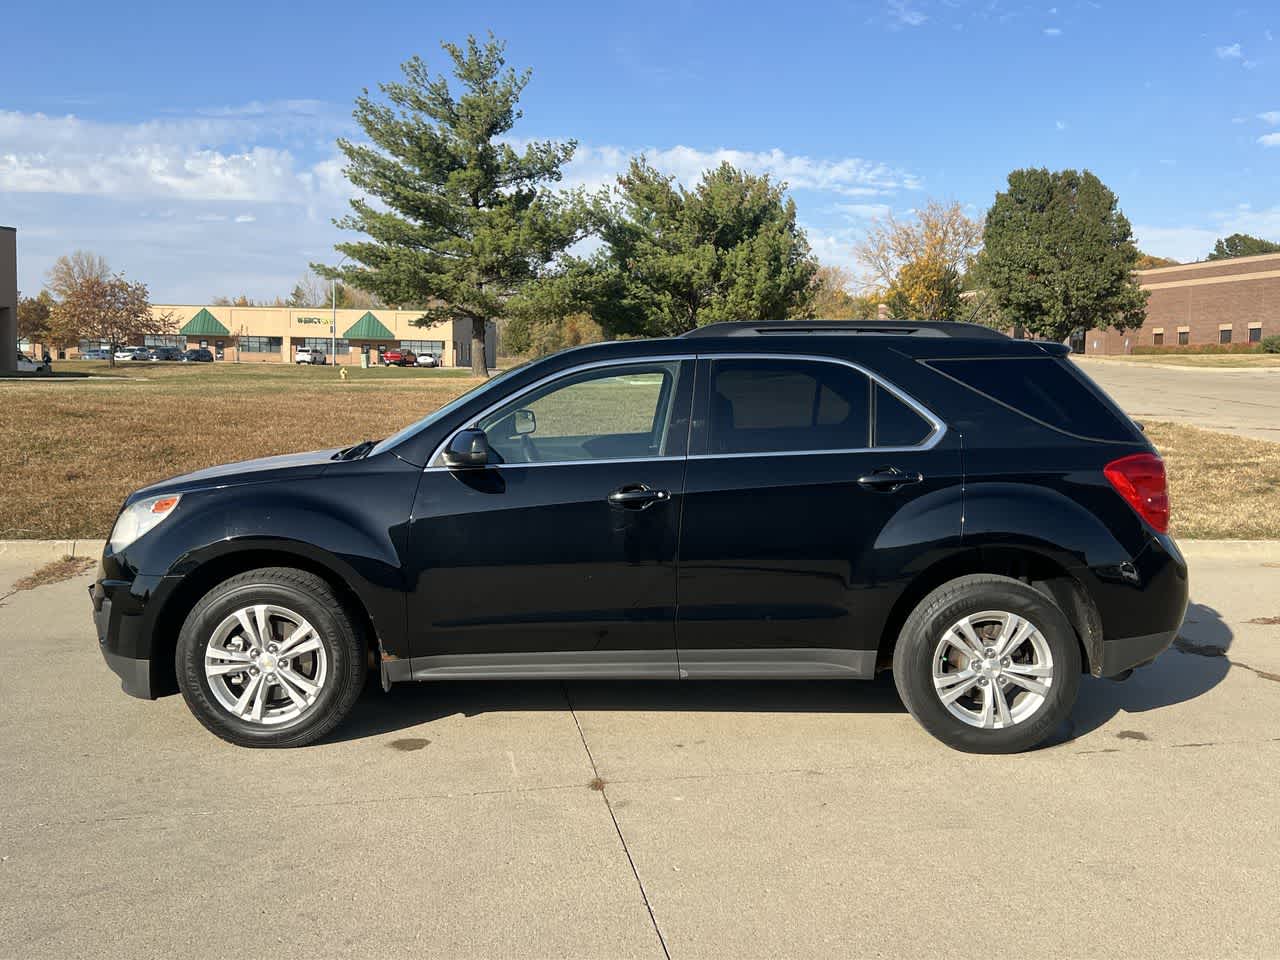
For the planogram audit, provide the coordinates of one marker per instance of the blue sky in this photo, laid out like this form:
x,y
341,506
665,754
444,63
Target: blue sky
x,y
193,145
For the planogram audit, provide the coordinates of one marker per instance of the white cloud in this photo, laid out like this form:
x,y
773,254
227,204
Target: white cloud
x,y
1270,139
246,218
1232,52
1060,124
1194,242
1052,32
864,211
1271,117
597,166
903,14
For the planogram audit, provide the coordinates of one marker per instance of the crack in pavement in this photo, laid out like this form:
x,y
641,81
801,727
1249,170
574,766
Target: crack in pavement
x,y
599,783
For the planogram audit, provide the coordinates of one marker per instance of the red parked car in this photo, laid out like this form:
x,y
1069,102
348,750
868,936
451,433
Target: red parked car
x,y
398,357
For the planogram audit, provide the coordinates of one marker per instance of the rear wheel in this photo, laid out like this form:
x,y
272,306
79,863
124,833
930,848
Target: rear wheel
x,y
987,664
270,658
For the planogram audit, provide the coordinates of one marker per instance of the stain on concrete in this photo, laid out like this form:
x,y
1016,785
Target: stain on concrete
x,y
1103,750
1207,743
1265,621
1131,735
1183,645
597,784
409,743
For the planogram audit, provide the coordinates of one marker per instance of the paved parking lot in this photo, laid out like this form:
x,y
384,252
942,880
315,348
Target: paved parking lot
x,y
1238,400
599,819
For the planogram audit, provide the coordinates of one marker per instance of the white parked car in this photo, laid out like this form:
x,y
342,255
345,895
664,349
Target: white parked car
x,y
28,365
427,360
126,353
308,355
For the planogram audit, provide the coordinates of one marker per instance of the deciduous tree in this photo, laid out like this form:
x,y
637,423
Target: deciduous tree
x,y
33,317
1149,261
676,258
920,261
72,268
1058,255
832,297
457,217
112,309
1241,245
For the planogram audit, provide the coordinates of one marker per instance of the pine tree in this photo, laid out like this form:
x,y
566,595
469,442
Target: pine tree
x,y
457,219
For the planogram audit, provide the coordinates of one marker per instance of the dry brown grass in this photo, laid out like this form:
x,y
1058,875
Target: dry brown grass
x,y
1217,360
71,451
1220,486
55,572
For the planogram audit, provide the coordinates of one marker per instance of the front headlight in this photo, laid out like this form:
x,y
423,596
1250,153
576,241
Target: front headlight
x,y
140,517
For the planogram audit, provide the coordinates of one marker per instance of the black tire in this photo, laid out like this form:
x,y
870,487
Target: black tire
x,y
312,598
947,605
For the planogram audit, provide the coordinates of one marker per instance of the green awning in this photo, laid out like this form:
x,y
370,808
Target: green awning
x,y
204,324
368,327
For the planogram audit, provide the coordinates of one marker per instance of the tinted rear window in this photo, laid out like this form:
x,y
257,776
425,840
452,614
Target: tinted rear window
x,y
1045,389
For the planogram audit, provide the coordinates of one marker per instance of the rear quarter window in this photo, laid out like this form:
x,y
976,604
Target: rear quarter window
x,y
1046,389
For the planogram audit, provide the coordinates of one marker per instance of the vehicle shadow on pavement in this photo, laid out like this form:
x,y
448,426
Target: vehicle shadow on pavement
x,y
409,704
1195,664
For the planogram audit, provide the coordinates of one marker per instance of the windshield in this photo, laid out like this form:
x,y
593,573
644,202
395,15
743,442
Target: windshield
x,y
401,436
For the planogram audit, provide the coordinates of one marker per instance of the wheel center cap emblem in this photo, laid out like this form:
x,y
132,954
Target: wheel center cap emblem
x,y
268,662
990,668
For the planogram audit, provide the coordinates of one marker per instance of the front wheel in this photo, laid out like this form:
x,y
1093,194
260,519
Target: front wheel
x,y
987,664
270,658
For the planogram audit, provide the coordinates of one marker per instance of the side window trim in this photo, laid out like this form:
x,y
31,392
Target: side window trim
x,y
699,441
673,418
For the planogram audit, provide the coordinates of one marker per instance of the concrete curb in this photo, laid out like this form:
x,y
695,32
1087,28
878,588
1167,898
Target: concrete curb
x,y
46,551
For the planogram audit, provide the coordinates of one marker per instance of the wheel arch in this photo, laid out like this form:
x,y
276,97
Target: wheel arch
x,y
1039,570
198,580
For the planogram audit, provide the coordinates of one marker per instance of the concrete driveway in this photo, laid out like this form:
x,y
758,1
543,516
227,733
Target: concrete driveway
x,y
1236,400
650,820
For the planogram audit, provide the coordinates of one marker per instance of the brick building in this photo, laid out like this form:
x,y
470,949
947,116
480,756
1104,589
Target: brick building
x,y
1218,301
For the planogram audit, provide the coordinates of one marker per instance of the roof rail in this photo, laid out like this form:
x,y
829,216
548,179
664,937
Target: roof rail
x,y
882,328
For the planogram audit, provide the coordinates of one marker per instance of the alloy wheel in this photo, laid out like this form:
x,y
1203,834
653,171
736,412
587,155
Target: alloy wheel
x,y
993,669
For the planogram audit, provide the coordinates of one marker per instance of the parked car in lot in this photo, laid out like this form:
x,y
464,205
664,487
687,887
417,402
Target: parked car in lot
x,y
96,354
125,353
308,355
398,358
141,353
793,500
30,365
166,353
197,355
426,360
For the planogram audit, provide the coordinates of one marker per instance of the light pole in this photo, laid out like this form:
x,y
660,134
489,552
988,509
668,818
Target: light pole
x,y
333,320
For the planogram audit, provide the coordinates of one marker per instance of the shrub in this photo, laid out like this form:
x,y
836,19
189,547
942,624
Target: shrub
x,y
1201,348
1271,344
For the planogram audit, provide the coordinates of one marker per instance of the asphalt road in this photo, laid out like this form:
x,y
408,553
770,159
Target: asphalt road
x,y
734,820
1244,401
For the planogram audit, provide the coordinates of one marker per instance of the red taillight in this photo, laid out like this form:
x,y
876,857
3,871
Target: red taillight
x,y
1140,480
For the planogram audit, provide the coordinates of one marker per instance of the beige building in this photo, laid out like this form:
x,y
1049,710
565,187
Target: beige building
x,y
274,334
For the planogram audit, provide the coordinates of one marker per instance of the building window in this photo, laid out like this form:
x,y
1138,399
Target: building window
x,y
433,347
204,344
1255,334
1224,336
260,344
324,344
1184,337
164,340
1157,338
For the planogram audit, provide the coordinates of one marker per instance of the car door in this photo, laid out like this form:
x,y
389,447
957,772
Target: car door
x,y
814,490
558,558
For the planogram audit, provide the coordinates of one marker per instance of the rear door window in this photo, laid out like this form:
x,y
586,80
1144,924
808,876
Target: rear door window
x,y
776,406
1045,389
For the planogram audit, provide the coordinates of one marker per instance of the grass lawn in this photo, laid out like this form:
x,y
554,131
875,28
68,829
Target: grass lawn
x,y
71,450
1197,359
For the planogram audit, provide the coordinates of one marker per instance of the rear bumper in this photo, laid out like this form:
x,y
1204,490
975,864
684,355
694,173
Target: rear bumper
x,y
1141,604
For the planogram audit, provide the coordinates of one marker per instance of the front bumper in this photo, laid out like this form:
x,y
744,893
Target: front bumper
x,y
123,617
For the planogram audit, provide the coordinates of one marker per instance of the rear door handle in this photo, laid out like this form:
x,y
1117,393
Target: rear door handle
x,y
637,496
888,479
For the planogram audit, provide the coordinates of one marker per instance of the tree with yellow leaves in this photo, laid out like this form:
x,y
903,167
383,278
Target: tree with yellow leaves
x,y
921,261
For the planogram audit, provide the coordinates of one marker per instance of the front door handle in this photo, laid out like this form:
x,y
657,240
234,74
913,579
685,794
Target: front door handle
x,y
888,479
637,496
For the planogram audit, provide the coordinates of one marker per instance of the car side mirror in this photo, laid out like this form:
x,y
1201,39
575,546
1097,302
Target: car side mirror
x,y
467,449
524,422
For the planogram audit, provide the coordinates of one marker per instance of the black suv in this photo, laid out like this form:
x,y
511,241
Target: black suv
x,y
750,500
